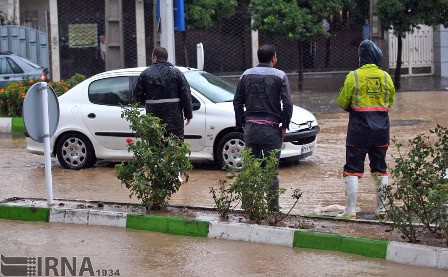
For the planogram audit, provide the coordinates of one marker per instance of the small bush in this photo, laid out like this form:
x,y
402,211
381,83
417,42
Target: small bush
x,y
251,185
418,196
154,173
12,96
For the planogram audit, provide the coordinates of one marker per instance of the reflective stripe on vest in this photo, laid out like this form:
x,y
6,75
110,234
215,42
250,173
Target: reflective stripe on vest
x,y
158,101
358,108
386,88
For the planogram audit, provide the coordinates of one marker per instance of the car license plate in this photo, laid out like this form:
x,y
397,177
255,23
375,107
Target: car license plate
x,y
308,147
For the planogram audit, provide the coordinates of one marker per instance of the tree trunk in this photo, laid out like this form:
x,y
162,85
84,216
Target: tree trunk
x,y
184,42
300,86
397,74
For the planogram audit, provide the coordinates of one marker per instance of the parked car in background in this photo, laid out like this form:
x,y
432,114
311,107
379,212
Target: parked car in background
x,y
91,127
16,68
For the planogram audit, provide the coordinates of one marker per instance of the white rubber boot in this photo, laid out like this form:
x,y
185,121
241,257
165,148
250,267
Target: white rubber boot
x,y
351,189
381,184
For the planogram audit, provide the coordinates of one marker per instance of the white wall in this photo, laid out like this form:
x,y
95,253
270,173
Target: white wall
x,y
441,52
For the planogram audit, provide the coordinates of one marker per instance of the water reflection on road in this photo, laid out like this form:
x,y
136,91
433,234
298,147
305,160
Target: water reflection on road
x,y
319,176
141,253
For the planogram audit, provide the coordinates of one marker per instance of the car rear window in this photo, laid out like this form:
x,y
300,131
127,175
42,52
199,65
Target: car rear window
x,y
110,91
4,67
30,63
15,67
214,88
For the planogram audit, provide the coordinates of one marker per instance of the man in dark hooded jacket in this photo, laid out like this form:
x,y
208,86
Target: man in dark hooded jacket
x,y
367,94
165,92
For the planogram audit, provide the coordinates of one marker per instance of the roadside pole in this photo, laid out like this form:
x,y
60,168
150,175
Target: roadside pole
x,y
167,29
46,135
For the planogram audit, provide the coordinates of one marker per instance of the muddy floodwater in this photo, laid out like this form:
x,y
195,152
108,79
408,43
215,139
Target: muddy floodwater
x,y
319,177
140,253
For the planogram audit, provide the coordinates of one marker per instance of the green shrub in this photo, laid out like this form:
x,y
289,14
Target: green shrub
x,y
159,160
251,185
12,96
417,197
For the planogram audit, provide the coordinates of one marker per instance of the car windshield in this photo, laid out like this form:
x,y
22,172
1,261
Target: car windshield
x,y
30,63
214,88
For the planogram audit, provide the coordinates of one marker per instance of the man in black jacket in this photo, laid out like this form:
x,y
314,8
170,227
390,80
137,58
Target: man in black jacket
x,y
165,92
263,92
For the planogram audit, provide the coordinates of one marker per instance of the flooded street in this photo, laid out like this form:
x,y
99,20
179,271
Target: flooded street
x,y
140,253
319,177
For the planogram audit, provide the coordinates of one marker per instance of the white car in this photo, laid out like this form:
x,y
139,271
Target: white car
x,y
91,128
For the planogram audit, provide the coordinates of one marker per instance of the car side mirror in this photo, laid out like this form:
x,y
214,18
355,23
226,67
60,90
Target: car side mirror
x,y
196,106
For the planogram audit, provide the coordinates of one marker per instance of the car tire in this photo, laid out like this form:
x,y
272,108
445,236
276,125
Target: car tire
x,y
75,151
228,151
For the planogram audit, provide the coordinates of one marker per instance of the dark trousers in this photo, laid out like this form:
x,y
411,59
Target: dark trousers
x,y
262,139
356,155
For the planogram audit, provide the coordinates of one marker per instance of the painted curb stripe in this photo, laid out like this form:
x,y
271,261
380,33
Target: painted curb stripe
x,y
17,125
252,233
168,224
5,124
87,217
24,213
106,218
11,125
420,255
361,246
403,253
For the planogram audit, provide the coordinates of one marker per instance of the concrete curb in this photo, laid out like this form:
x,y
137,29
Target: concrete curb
x,y
11,125
5,124
168,224
251,233
403,253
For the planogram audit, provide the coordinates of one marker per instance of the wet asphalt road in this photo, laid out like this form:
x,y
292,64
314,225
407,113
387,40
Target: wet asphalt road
x,y
137,253
319,177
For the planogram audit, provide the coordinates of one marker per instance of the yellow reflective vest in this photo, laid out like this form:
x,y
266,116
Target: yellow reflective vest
x,y
367,94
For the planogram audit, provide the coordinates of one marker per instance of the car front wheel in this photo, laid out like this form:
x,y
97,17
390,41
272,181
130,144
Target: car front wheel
x,y
75,151
228,152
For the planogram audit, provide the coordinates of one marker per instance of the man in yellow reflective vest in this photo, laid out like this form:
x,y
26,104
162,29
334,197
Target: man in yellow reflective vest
x,y
367,95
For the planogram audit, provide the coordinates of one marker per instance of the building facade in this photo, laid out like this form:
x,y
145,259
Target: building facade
x,y
89,37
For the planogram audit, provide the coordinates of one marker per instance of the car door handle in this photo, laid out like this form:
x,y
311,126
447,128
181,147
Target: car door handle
x,y
91,115
6,77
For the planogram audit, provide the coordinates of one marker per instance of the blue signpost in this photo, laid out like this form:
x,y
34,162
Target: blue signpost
x,y
179,14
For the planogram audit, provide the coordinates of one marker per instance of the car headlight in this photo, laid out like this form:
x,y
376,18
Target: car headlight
x,y
293,127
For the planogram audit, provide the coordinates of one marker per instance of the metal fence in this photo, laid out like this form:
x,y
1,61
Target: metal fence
x,y
228,51
25,42
80,24
129,33
227,45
